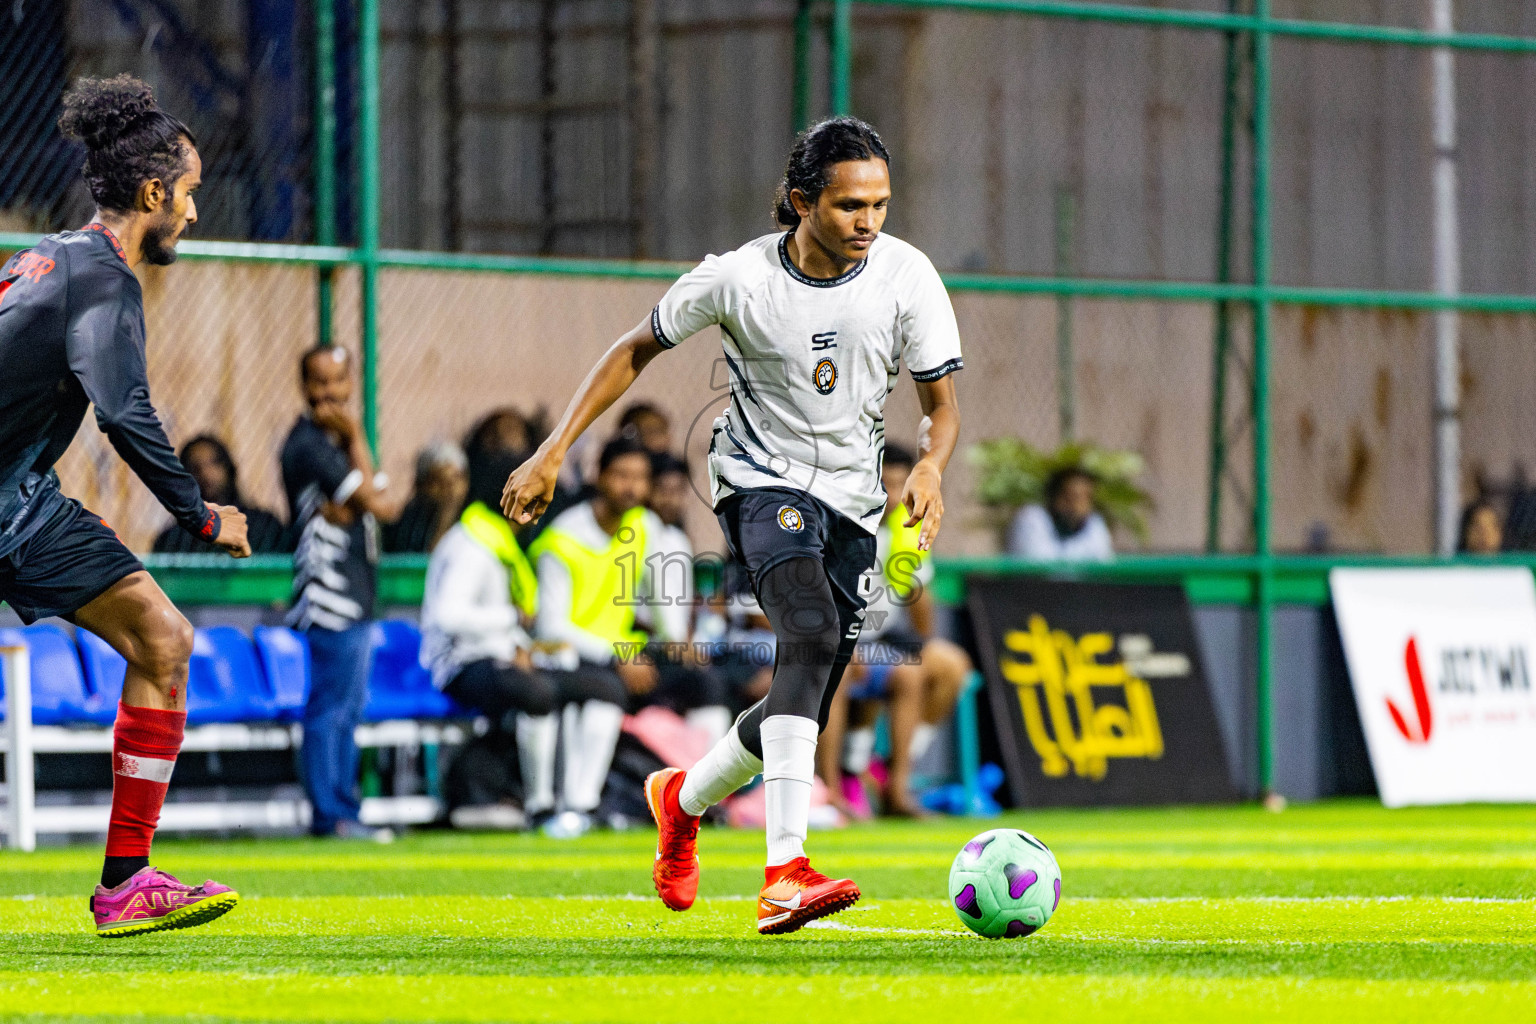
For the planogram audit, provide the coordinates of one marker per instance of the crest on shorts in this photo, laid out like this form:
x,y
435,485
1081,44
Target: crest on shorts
x,y
826,376
790,518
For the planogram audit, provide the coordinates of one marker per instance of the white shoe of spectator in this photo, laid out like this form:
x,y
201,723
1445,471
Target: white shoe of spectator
x,y
489,818
567,825
357,830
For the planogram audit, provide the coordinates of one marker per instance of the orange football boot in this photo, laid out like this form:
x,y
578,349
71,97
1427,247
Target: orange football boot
x,y
796,895
676,870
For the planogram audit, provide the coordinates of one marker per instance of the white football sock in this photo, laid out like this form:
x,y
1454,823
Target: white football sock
x,y
713,721
570,753
789,767
601,723
922,739
726,768
858,749
537,736
591,734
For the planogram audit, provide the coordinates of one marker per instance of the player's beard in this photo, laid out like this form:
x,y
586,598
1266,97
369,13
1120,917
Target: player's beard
x,y
160,243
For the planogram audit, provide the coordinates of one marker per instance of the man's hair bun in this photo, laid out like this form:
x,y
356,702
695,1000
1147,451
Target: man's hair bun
x,y
128,139
99,111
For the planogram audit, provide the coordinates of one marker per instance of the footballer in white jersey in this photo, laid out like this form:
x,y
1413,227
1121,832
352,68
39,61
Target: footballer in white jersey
x,y
811,362
816,322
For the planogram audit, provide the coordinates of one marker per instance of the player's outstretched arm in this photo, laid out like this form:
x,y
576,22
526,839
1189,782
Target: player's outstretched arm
x,y
531,487
104,340
922,496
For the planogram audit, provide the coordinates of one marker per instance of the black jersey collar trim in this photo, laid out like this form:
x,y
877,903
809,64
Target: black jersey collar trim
x,y
816,282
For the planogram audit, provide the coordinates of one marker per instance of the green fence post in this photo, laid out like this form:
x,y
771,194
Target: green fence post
x,y
842,57
802,98
1223,338
324,170
1066,386
1263,544
368,221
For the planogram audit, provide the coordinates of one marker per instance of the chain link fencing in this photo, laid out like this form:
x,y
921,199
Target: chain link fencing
x,y
238,74
1064,149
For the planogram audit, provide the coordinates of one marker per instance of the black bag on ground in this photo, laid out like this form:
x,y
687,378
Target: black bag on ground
x,y
485,772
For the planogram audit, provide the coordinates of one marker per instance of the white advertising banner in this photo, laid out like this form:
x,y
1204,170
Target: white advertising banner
x,y
1441,661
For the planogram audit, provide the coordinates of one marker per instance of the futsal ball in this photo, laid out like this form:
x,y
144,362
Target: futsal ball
x,y
1004,884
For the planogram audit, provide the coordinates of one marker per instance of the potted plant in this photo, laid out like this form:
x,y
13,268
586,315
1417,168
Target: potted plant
x,y
1013,473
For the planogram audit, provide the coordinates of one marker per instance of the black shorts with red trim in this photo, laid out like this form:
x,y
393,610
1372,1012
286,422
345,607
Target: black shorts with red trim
x,y
67,562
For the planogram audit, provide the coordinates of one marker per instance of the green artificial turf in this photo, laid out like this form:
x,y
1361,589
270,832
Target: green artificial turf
x,y
1335,912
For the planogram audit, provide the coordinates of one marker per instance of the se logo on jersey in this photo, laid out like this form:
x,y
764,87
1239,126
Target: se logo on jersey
x,y
789,519
826,376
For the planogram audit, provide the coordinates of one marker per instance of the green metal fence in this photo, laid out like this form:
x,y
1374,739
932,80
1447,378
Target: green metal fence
x,y
1260,580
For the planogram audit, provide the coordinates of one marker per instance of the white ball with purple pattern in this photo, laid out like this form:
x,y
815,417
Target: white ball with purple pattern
x,y
1005,884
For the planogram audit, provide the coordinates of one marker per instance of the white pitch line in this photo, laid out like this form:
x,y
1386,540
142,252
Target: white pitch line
x,y
632,897
1299,899
629,897
838,926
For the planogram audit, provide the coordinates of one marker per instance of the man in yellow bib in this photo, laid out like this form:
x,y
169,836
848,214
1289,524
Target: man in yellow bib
x,y
481,594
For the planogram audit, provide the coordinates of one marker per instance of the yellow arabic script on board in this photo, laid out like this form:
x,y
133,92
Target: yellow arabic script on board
x,y
1056,676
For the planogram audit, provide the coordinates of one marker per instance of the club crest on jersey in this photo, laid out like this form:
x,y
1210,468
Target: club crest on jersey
x,y
826,376
790,518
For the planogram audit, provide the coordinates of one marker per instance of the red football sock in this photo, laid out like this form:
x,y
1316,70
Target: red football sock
x,y
145,742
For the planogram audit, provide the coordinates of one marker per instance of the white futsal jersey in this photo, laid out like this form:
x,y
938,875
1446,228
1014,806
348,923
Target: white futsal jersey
x,y
810,363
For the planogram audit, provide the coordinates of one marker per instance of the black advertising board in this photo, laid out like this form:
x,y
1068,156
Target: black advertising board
x,y
1098,693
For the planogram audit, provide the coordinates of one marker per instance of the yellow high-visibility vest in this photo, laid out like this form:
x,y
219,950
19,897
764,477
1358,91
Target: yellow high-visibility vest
x,y
903,558
491,530
604,584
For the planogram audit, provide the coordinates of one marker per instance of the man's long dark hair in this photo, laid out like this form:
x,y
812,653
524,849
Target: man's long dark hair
x,y
221,454
488,472
817,149
128,139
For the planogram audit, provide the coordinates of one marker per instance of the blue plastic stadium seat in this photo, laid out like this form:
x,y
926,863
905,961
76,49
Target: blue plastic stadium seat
x,y
104,670
225,683
284,656
59,692
398,686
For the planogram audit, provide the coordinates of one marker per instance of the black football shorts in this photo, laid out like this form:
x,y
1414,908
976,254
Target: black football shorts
x,y
767,526
67,562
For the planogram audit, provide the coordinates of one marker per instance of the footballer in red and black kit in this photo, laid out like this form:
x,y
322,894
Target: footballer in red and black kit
x,y
71,336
